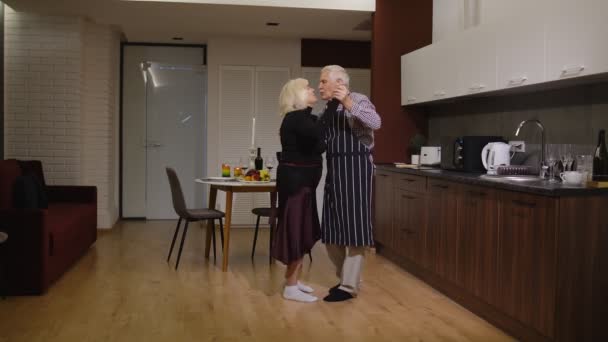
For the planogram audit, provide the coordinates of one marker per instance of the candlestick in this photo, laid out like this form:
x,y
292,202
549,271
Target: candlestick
x,y
253,133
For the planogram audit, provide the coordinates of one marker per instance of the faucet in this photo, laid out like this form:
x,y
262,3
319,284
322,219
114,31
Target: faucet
x,y
542,140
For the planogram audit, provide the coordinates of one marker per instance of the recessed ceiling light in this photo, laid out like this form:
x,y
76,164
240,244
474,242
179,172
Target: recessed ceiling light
x,y
178,38
272,24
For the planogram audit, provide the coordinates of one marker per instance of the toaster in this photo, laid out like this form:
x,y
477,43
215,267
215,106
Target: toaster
x,y
430,155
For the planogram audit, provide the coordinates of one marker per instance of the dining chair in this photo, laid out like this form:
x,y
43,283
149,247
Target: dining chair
x,y
190,215
264,212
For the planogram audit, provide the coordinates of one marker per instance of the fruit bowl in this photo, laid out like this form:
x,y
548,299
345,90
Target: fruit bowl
x,y
255,176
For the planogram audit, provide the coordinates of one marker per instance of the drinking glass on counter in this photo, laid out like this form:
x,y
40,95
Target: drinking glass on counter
x,y
584,164
552,158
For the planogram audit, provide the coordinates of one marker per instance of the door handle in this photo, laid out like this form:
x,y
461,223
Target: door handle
x,y
153,145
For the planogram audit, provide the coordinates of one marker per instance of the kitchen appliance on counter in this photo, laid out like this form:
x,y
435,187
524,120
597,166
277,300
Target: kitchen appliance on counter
x,y
495,155
464,153
430,155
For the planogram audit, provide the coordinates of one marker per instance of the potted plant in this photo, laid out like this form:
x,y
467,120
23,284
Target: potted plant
x,y
416,143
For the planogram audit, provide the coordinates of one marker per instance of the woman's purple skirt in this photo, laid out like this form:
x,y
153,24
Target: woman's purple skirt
x,y
298,228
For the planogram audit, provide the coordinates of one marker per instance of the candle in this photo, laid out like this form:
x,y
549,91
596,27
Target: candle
x,y
253,133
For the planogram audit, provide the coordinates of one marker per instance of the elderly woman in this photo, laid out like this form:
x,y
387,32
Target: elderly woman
x,y
298,175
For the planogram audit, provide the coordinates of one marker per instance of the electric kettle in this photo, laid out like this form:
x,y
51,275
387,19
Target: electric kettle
x,y
496,154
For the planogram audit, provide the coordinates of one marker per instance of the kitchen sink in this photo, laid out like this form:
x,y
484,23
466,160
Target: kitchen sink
x,y
519,178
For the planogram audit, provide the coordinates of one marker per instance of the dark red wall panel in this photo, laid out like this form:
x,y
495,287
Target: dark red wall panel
x,y
399,27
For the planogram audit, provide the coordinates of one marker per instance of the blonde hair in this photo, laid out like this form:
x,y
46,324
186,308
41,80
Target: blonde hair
x,y
336,73
293,96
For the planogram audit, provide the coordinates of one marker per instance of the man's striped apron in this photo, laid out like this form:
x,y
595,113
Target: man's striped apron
x,y
347,217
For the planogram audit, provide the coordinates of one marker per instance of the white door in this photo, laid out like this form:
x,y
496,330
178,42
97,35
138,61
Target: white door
x,y
175,126
268,84
247,92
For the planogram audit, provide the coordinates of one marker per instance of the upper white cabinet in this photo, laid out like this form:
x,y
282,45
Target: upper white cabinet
x,y
442,78
520,51
476,48
415,73
519,43
576,38
502,11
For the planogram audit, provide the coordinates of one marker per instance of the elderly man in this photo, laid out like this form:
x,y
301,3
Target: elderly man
x,y
350,120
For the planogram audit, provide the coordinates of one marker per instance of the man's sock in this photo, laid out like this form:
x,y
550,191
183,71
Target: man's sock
x,y
338,296
305,288
294,293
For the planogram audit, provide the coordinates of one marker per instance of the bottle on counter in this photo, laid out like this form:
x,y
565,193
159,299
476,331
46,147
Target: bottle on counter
x,y
600,159
259,162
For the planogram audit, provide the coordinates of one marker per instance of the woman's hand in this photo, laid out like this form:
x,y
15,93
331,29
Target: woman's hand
x,y
341,93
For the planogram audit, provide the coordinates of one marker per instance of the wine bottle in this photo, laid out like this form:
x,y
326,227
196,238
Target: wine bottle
x,y
259,162
600,159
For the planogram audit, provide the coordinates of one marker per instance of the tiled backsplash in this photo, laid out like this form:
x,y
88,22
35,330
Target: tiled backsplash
x,y
571,116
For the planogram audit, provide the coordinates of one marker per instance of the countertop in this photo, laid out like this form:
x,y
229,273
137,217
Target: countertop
x,y
540,187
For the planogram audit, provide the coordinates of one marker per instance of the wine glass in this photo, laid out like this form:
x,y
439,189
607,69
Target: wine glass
x,y
244,164
552,158
270,163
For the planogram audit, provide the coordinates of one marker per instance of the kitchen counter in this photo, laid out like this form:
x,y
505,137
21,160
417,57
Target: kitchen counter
x,y
540,187
528,256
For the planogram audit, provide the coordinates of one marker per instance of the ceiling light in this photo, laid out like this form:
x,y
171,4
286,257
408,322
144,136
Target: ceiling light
x,y
178,38
272,24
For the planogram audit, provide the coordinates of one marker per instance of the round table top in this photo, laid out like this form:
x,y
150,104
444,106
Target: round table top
x,y
3,237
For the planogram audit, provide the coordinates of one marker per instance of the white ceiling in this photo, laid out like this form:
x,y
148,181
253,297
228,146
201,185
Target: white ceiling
x,y
143,21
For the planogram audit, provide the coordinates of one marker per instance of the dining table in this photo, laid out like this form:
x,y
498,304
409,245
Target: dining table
x,y
231,186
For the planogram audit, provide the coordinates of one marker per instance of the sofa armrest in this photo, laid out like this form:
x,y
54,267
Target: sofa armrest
x,y
72,193
26,247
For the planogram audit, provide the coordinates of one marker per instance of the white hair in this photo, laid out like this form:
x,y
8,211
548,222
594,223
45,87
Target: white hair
x,y
336,73
293,96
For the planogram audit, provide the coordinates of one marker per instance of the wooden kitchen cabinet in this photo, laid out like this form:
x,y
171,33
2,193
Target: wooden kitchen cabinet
x,y
383,228
527,259
496,252
409,224
441,249
477,242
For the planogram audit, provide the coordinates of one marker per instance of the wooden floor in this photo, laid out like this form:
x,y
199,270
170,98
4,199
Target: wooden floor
x,y
123,290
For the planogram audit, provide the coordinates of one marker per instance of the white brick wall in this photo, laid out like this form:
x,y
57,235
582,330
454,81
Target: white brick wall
x,y
61,101
43,71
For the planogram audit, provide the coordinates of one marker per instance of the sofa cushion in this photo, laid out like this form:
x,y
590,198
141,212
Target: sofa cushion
x,y
28,193
32,168
9,171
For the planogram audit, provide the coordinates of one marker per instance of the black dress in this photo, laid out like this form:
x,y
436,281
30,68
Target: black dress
x,y
298,174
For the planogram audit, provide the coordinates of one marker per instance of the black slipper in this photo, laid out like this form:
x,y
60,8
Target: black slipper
x,y
338,296
334,288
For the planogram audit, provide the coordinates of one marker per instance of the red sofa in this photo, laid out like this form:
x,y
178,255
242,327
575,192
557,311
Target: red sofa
x,y
43,243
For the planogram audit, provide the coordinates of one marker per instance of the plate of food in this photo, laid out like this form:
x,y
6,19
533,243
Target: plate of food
x,y
221,179
255,176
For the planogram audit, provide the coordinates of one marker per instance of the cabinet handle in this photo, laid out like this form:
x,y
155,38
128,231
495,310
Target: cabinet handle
x,y
572,70
408,197
381,175
476,87
524,203
408,180
411,99
477,193
441,186
439,94
518,80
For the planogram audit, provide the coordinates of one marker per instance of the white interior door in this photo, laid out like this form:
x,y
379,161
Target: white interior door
x,y
247,92
268,84
175,119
